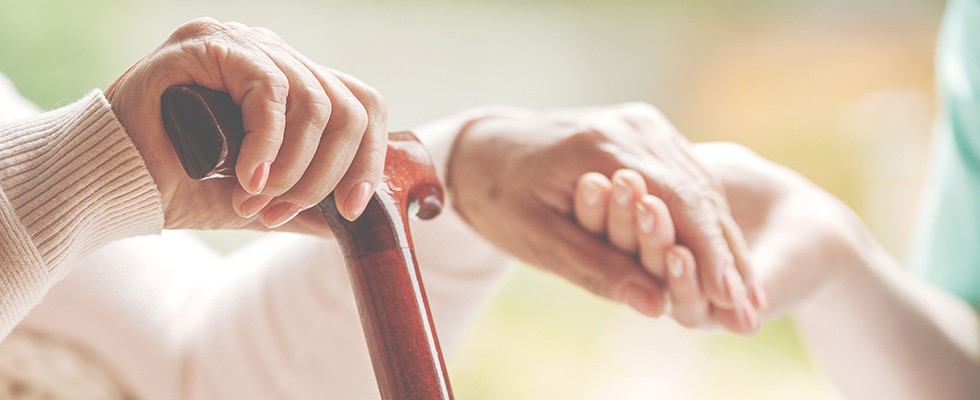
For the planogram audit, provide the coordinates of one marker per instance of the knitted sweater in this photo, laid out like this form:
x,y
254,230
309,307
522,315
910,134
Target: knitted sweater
x,y
168,317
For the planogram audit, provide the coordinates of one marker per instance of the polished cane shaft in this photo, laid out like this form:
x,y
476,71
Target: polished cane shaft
x,y
205,127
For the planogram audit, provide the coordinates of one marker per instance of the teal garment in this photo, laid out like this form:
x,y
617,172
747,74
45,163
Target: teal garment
x,y
946,249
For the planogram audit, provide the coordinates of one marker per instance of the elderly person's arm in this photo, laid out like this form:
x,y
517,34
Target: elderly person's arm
x,y
100,169
283,324
170,318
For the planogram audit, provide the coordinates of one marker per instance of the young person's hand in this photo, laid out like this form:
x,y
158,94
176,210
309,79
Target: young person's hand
x,y
310,130
619,210
800,237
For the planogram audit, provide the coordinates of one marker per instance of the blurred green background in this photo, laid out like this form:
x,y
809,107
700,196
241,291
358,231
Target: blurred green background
x,y
839,90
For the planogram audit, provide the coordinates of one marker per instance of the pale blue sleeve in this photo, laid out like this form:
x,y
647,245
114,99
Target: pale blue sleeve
x,y
946,249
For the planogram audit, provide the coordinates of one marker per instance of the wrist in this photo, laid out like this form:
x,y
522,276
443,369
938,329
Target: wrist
x,y
76,181
456,145
850,258
154,152
805,242
854,284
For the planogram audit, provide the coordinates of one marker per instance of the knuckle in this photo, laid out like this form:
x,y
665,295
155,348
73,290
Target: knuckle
x,y
197,28
275,89
277,84
316,107
647,119
588,137
355,119
237,26
681,193
591,144
374,101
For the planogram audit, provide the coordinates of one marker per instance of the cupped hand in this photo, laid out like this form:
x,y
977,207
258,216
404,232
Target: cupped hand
x,y
801,238
512,177
309,130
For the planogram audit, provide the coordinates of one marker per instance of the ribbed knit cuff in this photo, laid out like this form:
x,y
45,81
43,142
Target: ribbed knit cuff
x,y
23,279
76,181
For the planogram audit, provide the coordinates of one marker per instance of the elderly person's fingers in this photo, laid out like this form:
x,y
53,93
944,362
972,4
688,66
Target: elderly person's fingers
x,y
358,184
627,187
335,136
591,202
660,154
695,201
621,278
740,251
336,146
259,84
307,111
365,115
655,232
745,321
308,129
689,307
325,125
697,219
536,162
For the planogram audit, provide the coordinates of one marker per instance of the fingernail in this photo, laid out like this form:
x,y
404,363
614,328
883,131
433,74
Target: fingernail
x,y
639,299
254,204
259,178
621,191
279,214
590,194
726,276
738,303
644,218
733,286
674,265
357,200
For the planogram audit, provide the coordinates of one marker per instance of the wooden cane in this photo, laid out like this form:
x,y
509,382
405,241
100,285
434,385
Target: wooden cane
x,y
205,127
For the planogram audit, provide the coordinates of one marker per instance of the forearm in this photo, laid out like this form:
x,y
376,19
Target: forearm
x,y
128,306
70,181
882,333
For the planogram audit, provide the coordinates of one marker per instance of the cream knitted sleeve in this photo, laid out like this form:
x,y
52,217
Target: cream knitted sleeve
x,y
277,319
282,322
70,181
